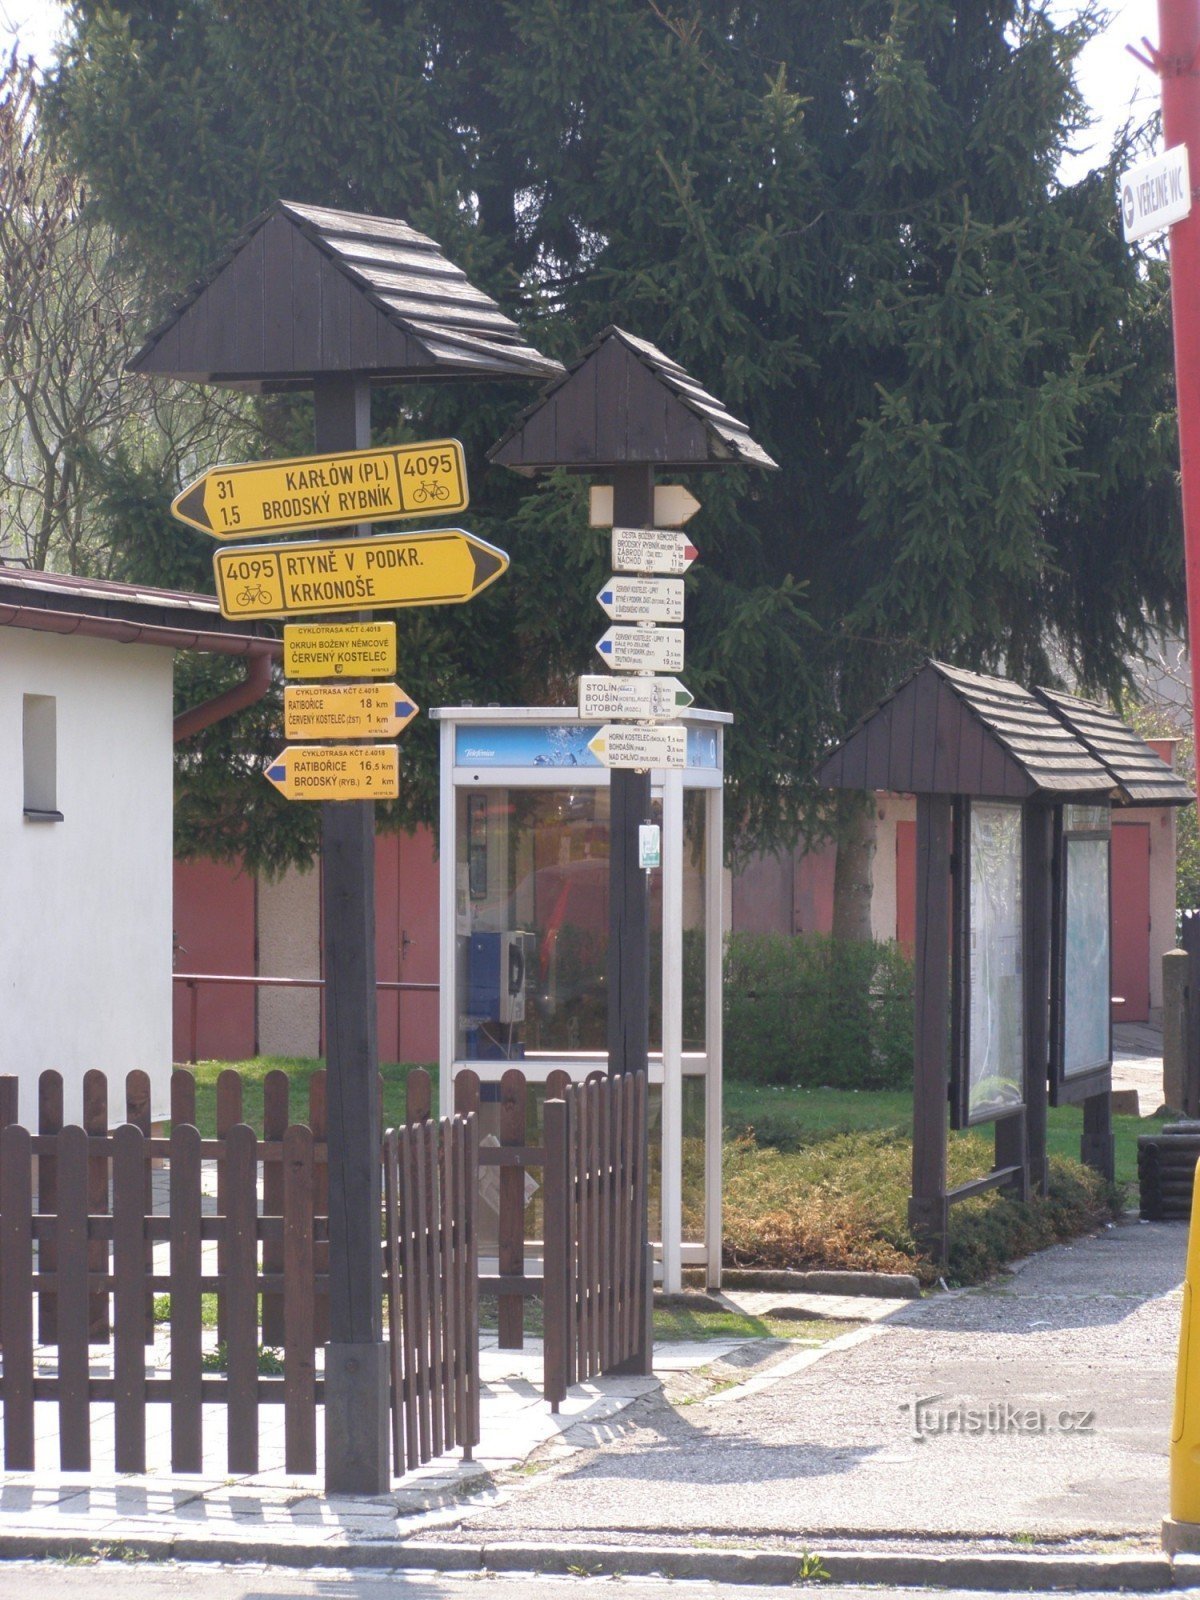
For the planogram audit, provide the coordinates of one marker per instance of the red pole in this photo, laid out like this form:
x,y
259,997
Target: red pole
x,y
1177,62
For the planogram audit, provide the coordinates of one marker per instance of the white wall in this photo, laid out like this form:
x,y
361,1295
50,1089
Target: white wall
x,y
85,903
289,946
889,810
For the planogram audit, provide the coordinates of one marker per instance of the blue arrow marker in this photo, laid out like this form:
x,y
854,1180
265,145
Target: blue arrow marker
x,y
606,597
404,709
605,647
277,774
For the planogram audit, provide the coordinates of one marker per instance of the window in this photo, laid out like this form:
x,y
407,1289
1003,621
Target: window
x,y
39,739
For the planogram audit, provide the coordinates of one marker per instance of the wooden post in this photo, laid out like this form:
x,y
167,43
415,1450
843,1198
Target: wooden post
x,y
1097,1147
628,888
1039,914
927,1208
356,1364
629,907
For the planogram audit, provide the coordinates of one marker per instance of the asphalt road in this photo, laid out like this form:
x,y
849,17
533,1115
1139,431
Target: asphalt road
x,y
1046,1416
56,1582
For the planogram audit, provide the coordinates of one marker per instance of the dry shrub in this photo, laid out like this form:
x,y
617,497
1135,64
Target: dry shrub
x,y
842,1205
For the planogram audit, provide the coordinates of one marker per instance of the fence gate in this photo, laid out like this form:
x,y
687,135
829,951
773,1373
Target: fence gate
x,y
598,1265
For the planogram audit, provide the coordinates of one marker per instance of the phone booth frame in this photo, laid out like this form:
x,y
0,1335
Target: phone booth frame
x,y
519,747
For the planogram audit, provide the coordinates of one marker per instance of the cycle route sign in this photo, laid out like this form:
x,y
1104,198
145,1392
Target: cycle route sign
x,y
329,491
390,569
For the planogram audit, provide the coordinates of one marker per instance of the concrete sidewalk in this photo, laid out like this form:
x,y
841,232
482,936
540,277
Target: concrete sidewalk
x,y
1008,1436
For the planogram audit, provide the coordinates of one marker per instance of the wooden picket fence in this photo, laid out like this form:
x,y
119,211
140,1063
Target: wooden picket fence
x,y
84,1257
598,1294
595,1283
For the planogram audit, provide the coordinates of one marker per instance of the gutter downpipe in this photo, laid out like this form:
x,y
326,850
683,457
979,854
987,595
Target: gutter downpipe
x,y
252,688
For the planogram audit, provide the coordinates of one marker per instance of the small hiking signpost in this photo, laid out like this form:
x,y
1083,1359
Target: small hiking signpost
x,y
623,411
303,301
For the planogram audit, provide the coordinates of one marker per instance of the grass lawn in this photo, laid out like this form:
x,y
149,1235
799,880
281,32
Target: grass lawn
x,y
299,1069
823,1179
790,1119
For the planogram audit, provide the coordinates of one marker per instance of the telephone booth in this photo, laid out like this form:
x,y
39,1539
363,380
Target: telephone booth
x,y
524,938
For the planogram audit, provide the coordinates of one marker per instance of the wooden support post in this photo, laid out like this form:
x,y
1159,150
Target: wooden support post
x,y
629,893
1039,918
1097,1148
356,1363
927,1208
629,908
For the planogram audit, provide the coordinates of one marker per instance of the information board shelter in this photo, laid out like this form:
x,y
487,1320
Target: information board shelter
x,y
525,831
1013,955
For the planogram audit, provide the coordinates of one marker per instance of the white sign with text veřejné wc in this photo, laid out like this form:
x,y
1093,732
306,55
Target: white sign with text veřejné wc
x,y
1155,194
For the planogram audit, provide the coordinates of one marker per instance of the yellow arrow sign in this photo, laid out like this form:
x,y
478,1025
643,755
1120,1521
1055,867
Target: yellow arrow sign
x,y
339,649
411,480
336,772
346,711
394,569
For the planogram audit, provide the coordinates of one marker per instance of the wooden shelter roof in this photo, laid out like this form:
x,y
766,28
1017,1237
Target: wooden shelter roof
x,y
622,402
306,291
948,731
1141,775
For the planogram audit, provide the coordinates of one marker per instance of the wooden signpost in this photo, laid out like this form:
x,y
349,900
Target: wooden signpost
x,y
624,411
418,480
305,300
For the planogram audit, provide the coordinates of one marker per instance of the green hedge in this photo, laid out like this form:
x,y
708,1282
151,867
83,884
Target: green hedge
x,y
818,1013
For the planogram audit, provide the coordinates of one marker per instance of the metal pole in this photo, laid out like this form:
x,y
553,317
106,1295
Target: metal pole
x,y
356,1357
1177,62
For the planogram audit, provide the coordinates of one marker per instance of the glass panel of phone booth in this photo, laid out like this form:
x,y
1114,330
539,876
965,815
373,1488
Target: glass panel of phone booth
x,y
531,946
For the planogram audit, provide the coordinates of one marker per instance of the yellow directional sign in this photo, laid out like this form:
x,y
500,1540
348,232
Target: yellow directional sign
x,y
410,480
346,711
339,649
336,772
393,569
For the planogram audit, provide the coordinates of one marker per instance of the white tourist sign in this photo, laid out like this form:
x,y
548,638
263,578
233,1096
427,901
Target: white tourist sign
x,y
642,599
634,649
652,550
625,745
605,696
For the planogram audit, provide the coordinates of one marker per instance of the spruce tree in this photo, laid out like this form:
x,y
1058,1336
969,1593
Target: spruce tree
x,y
844,220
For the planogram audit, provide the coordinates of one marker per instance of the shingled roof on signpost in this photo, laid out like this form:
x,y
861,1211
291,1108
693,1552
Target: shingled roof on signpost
x,y
306,291
623,400
1141,775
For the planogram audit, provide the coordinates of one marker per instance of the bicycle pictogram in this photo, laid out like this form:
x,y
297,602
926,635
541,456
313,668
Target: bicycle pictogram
x,y
429,490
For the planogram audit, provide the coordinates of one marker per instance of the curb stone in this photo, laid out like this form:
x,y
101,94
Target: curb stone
x,y
962,1570
878,1285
